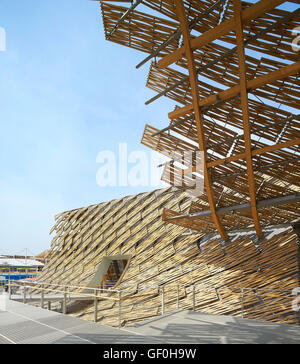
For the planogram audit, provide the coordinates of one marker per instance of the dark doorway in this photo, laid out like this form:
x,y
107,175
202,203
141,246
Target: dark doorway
x,y
113,274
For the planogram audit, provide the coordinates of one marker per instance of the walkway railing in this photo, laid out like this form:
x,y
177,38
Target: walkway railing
x,y
133,304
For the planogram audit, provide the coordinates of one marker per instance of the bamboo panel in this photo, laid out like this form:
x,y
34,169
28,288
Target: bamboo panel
x,y
272,105
141,31
213,272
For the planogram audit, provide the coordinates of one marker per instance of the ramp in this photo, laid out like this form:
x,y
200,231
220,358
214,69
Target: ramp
x,y
200,328
25,324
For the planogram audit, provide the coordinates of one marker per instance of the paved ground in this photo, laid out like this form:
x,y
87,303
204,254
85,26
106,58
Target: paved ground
x,y
27,324
194,327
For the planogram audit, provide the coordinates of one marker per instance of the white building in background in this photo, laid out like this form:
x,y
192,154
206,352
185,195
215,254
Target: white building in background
x,y
22,263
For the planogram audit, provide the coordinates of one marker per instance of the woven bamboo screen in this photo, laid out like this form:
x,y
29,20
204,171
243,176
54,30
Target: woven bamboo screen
x,y
235,63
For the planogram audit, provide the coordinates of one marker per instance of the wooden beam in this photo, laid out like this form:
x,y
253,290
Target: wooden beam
x,y
245,112
276,201
198,116
268,149
253,12
259,151
225,95
258,168
177,32
231,51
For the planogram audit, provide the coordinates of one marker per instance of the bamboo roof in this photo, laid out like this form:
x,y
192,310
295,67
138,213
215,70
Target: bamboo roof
x,y
233,72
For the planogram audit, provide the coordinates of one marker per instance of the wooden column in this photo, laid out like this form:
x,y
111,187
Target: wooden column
x,y
95,306
198,116
245,112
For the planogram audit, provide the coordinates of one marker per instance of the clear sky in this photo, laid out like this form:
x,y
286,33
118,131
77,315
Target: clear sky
x,y
66,95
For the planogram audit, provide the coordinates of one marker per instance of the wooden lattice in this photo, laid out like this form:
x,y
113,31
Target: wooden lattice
x,y
237,82
160,255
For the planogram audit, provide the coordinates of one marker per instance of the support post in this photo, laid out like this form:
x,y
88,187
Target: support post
x,y
177,304
9,288
49,305
242,301
245,112
198,114
120,309
42,296
162,300
65,303
24,294
194,298
95,306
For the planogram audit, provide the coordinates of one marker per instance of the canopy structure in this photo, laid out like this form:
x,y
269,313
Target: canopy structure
x,y
233,68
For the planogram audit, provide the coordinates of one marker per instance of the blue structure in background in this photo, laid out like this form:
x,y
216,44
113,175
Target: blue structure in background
x,y
4,278
18,268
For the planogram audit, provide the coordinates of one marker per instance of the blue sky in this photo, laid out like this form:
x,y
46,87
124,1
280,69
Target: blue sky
x,y
66,94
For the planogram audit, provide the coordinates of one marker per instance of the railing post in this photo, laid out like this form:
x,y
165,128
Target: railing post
x,y
95,306
194,299
65,302
242,301
162,300
177,303
24,294
9,288
42,296
120,296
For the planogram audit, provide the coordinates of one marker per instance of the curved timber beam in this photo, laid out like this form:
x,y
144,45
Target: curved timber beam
x,y
198,116
245,113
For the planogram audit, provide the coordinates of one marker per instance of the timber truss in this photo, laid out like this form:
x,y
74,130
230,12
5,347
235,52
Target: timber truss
x,y
234,69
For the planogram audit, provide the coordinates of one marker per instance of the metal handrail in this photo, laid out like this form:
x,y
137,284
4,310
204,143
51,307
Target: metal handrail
x,y
136,288
64,292
67,285
117,295
185,286
27,284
